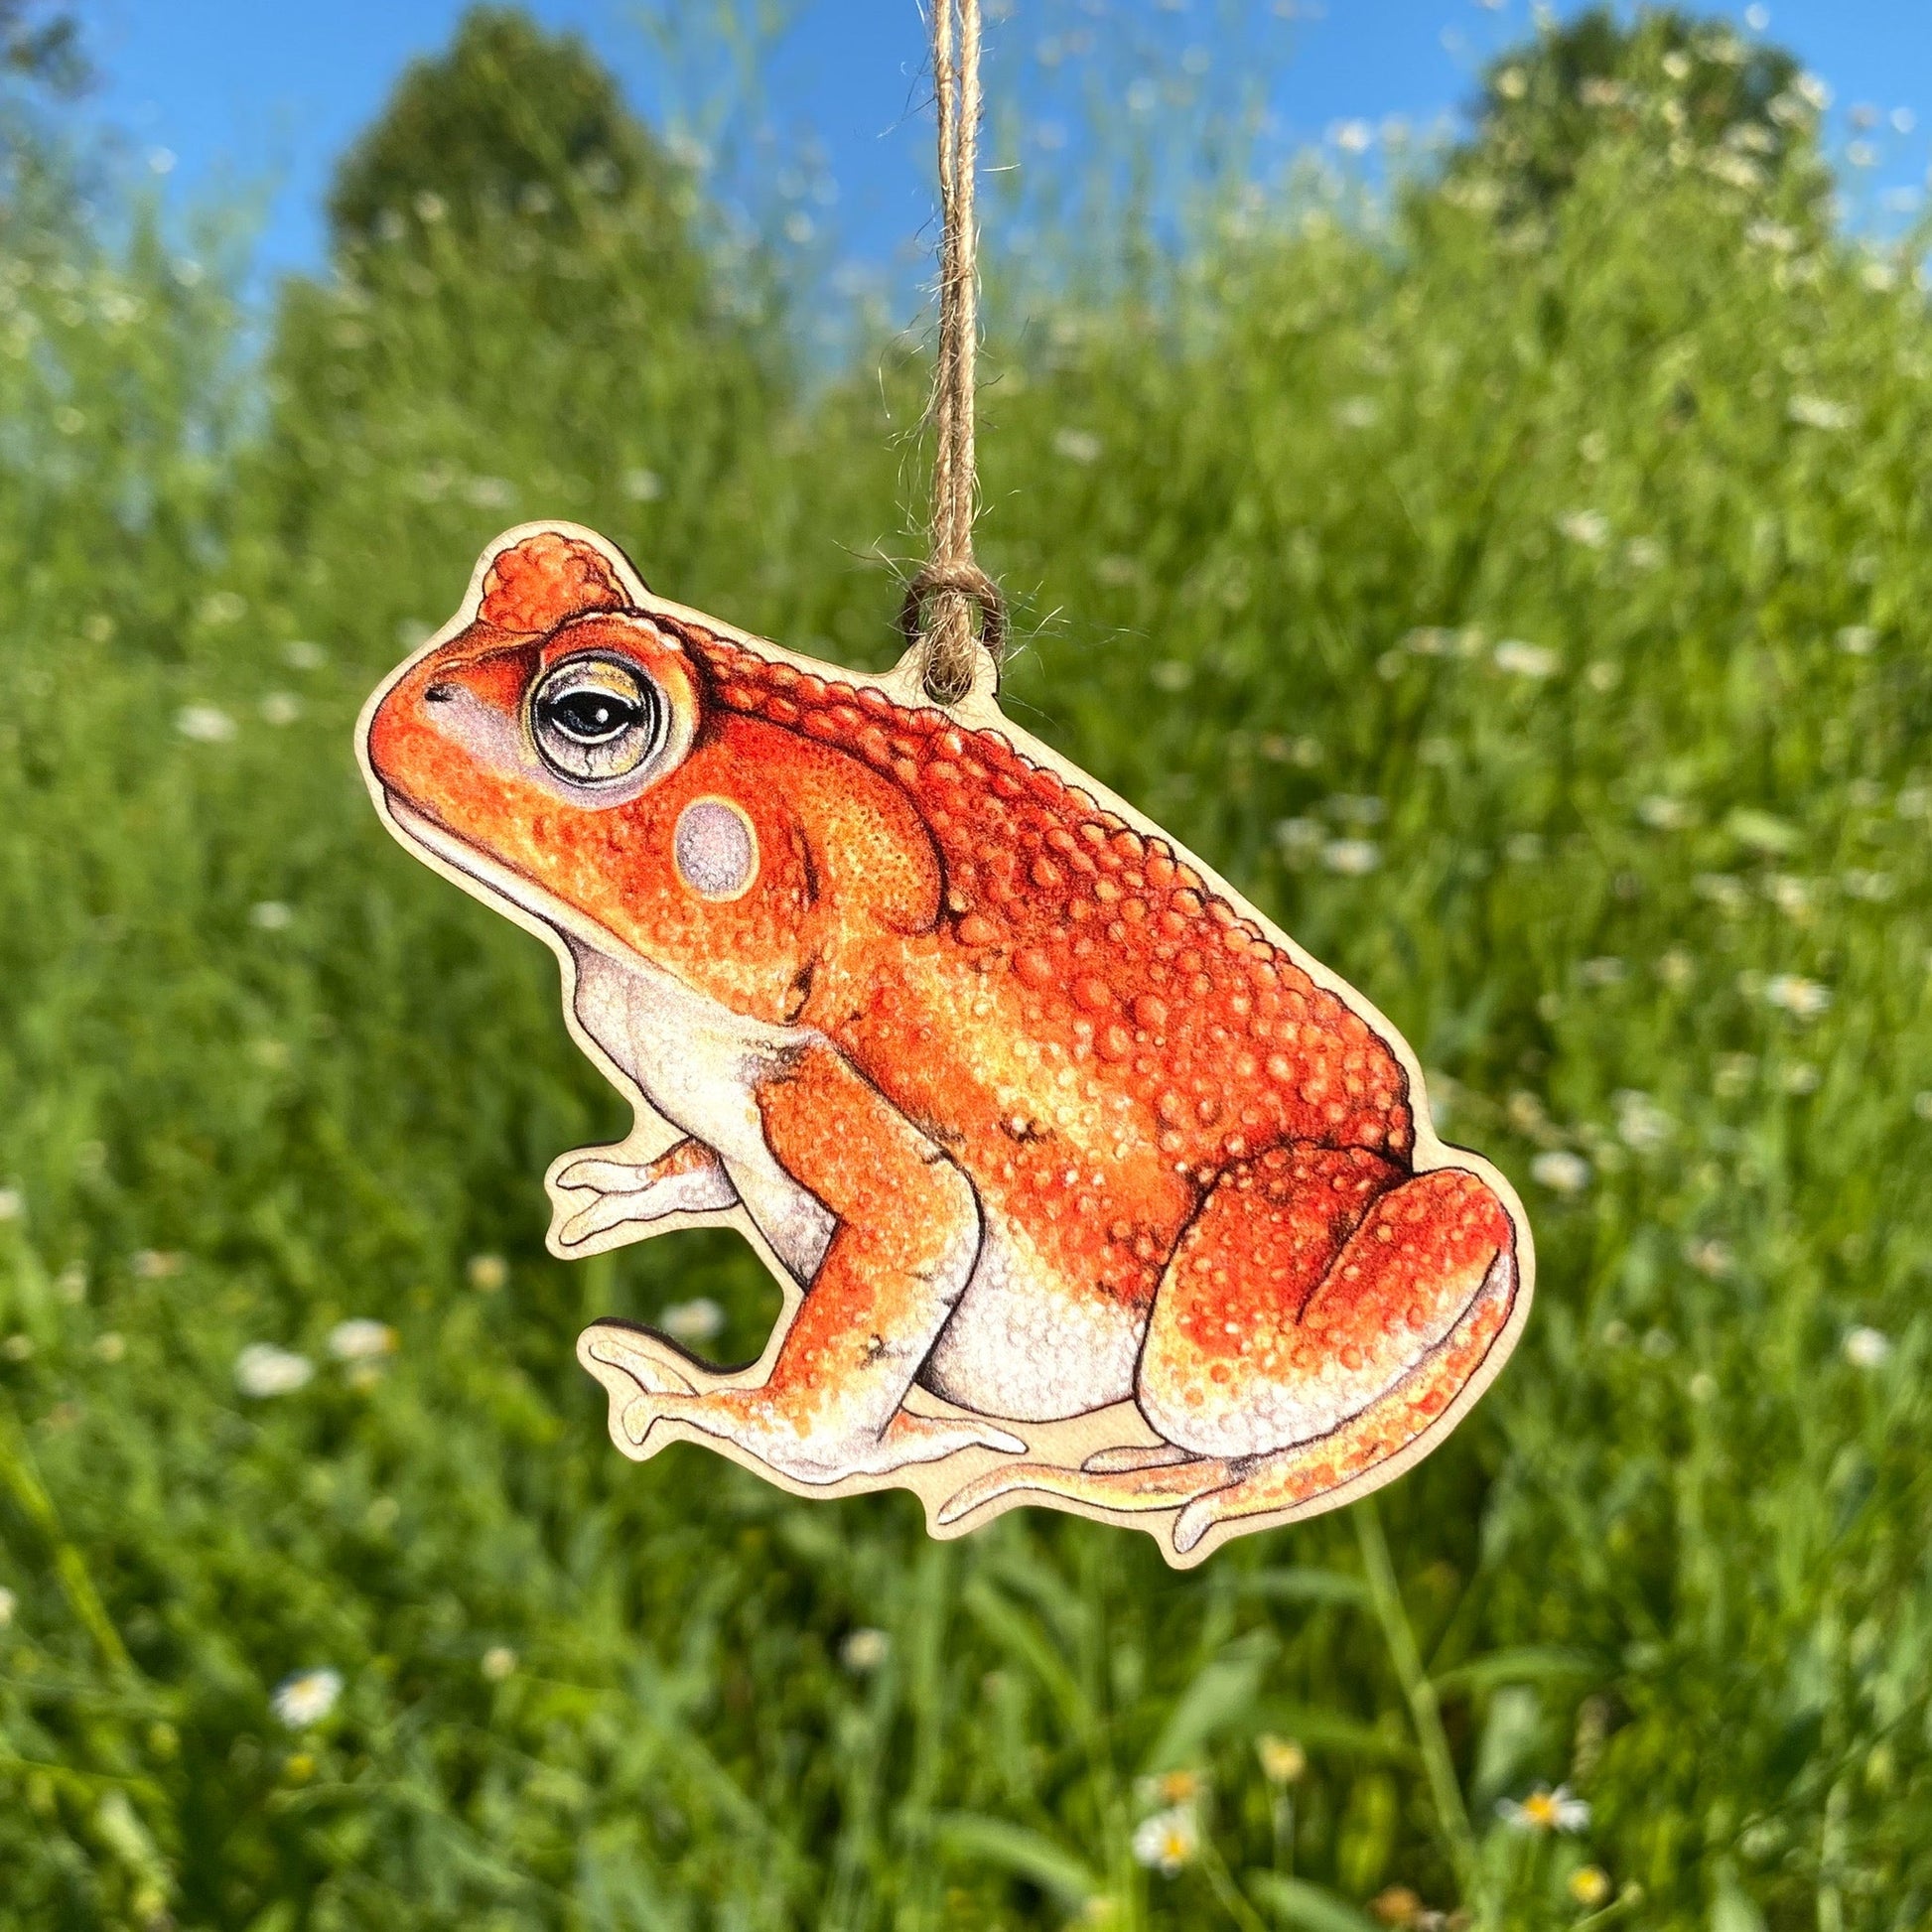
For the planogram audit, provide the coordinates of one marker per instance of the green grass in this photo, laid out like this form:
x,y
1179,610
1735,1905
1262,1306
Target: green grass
x,y
1579,569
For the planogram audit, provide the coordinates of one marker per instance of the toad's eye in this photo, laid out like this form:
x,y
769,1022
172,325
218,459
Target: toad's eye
x,y
597,719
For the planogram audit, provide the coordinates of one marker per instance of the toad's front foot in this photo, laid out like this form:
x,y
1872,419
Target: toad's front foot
x,y
595,1194
627,1359
811,1454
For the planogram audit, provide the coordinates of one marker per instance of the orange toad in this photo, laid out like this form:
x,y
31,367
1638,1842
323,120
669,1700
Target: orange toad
x,y
1061,1152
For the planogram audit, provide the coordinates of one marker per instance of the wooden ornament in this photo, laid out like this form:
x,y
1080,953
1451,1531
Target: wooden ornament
x,y
1083,1183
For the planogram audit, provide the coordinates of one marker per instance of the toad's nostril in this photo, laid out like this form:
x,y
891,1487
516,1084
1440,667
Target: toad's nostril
x,y
438,694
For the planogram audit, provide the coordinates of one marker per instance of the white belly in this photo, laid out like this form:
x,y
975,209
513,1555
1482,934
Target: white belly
x,y
1017,1347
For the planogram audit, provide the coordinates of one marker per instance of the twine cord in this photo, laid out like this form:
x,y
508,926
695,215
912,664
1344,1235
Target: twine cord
x,y
945,592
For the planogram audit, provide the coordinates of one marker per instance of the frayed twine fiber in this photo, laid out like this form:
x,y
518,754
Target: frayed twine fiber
x,y
946,591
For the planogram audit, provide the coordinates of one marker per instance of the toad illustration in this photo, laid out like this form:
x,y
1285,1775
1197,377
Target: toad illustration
x,y
1083,1183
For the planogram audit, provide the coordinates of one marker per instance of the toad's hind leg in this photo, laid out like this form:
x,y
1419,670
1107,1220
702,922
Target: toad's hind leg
x,y
1274,1326
1322,1312
1290,1479
1304,1401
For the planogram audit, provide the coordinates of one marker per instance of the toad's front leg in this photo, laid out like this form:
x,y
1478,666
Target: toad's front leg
x,y
594,1194
907,1234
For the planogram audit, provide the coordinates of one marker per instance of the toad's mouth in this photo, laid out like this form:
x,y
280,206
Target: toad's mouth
x,y
499,886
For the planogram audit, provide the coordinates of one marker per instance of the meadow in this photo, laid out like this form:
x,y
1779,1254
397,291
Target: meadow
x,y
1525,604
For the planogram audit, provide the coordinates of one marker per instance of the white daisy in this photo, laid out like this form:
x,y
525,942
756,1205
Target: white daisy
x,y
1562,1171
307,1698
1168,1841
1545,1810
1867,1347
1522,659
696,1320
865,1650
359,1339
263,1370
205,723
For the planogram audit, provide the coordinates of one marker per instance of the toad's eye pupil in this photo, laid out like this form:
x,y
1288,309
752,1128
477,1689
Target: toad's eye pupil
x,y
589,716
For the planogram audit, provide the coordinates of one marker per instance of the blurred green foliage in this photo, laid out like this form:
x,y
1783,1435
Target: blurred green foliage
x,y
510,118
39,47
1545,106
1525,603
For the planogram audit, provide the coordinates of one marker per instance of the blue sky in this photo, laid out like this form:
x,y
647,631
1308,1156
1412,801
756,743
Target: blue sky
x,y
265,93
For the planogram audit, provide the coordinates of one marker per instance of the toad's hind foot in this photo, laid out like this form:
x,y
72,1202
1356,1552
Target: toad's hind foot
x,y
1155,1455
1130,1487
929,1438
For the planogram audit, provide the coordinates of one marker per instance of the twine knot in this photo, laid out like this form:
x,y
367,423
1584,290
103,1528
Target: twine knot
x,y
955,589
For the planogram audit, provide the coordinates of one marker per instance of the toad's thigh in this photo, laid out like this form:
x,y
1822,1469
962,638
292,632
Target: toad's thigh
x,y
1281,1317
